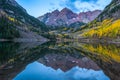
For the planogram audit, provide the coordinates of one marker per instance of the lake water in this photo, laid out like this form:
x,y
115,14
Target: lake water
x,y
59,61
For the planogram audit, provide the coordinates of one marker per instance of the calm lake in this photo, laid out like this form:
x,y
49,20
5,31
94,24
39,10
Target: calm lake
x,y
59,61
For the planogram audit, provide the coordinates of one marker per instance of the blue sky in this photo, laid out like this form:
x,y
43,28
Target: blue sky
x,y
39,7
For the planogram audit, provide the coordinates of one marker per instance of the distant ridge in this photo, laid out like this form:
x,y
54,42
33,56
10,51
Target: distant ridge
x,y
65,17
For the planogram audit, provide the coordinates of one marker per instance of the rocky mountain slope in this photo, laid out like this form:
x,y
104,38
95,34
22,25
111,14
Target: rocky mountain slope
x,y
66,17
106,25
111,11
19,24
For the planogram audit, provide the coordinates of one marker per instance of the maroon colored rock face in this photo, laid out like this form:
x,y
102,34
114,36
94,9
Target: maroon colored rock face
x,y
67,17
67,62
88,16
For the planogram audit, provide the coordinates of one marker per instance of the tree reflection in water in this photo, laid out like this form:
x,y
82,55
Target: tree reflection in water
x,y
60,56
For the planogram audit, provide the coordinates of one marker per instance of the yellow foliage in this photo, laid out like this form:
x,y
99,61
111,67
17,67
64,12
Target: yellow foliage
x,y
106,29
65,34
60,35
65,29
107,53
11,19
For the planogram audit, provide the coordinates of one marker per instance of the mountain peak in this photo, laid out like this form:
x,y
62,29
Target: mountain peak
x,y
66,16
56,11
66,10
69,13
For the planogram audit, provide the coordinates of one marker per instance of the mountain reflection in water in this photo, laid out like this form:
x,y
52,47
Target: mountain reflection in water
x,y
67,61
38,71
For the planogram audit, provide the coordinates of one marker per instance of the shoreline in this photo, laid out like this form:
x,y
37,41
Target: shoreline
x,y
24,40
109,41
82,40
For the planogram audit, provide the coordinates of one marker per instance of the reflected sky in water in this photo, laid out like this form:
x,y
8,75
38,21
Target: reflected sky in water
x,y
38,71
59,61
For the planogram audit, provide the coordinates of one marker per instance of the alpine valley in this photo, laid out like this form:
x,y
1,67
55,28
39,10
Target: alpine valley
x,y
20,26
61,44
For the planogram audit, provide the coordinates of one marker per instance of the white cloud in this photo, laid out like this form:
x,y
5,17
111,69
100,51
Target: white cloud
x,y
84,5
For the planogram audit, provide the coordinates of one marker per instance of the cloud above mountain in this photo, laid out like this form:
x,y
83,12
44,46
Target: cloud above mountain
x,y
84,5
40,7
